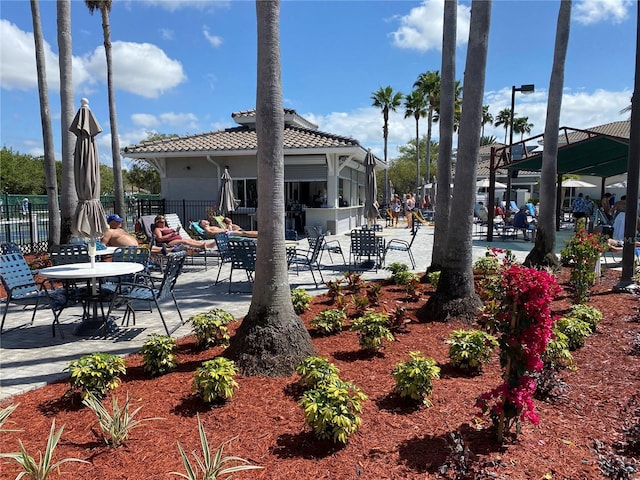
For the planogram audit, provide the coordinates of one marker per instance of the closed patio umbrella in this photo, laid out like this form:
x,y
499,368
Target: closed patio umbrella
x,y
89,219
370,188
227,202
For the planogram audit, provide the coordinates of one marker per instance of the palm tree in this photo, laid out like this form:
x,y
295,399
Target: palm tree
x,y
118,185
387,100
487,118
542,253
272,339
47,132
415,106
446,108
68,194
455,294
521,125
429,84
488,140
504,119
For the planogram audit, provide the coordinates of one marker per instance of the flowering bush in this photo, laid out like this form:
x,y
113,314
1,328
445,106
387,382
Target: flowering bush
x,y
581,253
524,324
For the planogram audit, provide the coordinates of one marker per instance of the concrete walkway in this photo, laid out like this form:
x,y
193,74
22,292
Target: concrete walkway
x,y
30,357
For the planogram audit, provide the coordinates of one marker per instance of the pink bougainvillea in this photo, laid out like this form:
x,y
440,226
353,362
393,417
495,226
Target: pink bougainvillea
x,y
524,324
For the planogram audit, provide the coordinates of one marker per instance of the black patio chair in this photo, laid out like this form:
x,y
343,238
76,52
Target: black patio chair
x,y
126,293
22,288
308,258
329,246
365,243
224,253
243,257
399,245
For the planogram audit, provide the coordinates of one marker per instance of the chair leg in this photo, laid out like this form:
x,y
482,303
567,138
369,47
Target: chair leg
x,y
177,308
4,314
413,261
166,329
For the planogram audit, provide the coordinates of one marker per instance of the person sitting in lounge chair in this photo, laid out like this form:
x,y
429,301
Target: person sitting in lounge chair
x,y
117,236
170,236
234,229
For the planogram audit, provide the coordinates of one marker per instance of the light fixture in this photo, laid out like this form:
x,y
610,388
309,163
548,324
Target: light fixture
x,y
526,89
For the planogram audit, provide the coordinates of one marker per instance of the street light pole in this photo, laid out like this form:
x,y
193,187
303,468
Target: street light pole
x,y
528,88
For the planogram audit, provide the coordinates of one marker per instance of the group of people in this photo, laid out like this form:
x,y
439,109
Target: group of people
x,y
396,209
166,236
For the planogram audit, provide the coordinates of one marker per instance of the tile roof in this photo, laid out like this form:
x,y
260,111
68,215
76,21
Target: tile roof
x,y
299,133
239,138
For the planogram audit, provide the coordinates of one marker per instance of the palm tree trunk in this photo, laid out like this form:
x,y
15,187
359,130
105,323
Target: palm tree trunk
x,y
68,194
118,186
47,132
272,339
417,163
446,125
455,295
543,252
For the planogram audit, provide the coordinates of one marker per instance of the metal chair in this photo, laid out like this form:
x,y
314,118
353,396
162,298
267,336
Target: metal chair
x,y
224,253
126,293
243,257
398,245
330,246
22,288
309,258
364,243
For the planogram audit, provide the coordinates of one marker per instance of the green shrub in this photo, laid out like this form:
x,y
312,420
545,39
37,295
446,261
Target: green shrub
x,y
329,322
373,292
360,304
334,289
557,354
588,314
214,381
575,329
210,328
486,265
117,425
372,329
96,373
433,278
404,278
211,464
470,349
158,354
301,300
399,273
414,378
332,409
40,470
315,370
581,253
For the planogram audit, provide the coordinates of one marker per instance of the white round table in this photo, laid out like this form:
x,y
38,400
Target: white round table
x,y
86,271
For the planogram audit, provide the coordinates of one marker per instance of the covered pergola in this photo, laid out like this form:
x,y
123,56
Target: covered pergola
x,y
600,152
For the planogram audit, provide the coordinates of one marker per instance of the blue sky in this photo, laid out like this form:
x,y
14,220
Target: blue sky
x,y
184,66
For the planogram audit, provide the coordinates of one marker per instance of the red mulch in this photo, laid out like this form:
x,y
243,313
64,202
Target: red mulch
x,y
395,440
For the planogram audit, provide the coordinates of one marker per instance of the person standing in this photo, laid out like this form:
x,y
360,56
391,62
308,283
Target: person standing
x,y
410,205
605,205
396,206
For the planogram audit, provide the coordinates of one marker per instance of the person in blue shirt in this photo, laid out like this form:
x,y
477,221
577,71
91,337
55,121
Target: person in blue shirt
x,y
579,206
521,222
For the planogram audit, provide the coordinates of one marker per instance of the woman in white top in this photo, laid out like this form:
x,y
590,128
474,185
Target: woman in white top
x,y
410,205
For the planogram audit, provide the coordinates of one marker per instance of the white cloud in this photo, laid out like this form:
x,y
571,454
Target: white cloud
x,y
214,40
139,68
145,120
594,11
421,28
174,5
18,61
185,121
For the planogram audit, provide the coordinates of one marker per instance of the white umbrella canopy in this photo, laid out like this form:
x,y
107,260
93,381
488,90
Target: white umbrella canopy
x,y
484,183
227,202
370,188
622,184
573,183
89,219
